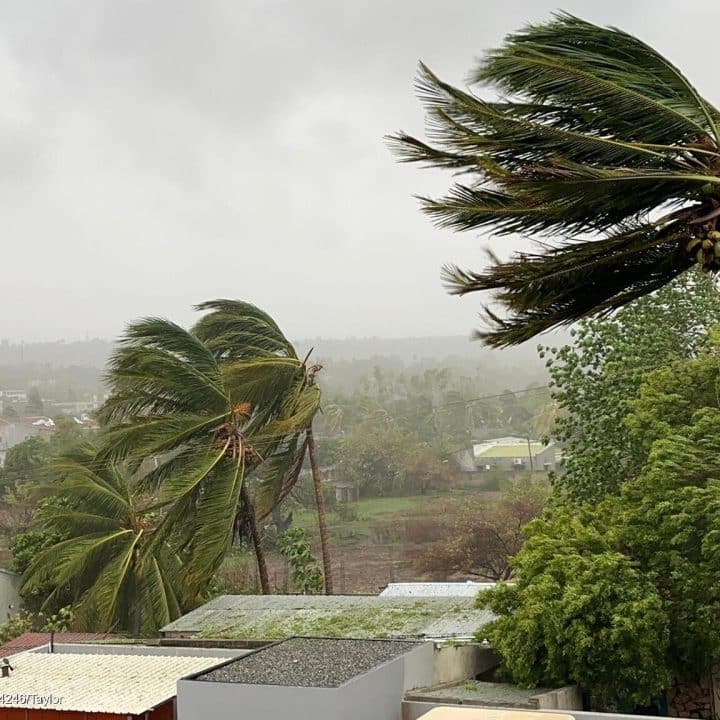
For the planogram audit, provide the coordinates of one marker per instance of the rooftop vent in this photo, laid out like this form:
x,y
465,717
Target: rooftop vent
x,y
5,668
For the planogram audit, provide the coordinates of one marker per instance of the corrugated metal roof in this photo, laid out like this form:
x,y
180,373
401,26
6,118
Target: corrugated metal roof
x,y
119,684
30,640
435,589
267,617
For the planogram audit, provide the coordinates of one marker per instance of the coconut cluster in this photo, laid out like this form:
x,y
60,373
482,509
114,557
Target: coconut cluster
x,y
706,251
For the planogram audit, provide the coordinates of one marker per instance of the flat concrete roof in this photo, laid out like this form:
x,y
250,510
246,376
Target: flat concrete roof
x,y
268,617
473,692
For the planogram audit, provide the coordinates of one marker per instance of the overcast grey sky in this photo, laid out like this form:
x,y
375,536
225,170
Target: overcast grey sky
x,y
158,153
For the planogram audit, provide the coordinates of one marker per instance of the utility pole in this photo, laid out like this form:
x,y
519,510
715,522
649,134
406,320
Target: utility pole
x,y
532,469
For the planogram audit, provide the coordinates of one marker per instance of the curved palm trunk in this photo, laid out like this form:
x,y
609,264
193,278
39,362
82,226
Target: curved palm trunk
x,y
320,503
255,535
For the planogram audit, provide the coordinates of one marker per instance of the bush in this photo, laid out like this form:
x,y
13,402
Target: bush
x,y
347,512
293,545
425,530
487,534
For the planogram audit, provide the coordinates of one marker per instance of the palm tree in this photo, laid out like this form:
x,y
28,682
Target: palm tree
x,y
208,425
597,141
109,565
238,332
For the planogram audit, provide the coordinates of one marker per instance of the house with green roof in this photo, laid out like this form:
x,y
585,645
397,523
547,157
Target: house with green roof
x,y
511,454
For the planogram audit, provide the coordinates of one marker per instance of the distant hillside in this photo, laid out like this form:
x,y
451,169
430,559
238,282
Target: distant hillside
x,y
85,353
347,362
67,369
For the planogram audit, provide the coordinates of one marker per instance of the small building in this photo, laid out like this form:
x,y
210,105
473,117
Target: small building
x,y
310,679
345,491
32,640
99,682
512,454
13,396
479,694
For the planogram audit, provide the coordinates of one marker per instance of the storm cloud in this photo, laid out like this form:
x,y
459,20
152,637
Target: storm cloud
x,y
159,153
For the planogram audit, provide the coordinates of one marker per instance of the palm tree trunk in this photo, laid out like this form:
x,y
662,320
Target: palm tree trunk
x,y
255,535
320,503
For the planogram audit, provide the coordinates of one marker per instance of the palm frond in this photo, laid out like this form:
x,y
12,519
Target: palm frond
x,y
573,281
278,475
595,133
149,436
160,367
625,87
237,330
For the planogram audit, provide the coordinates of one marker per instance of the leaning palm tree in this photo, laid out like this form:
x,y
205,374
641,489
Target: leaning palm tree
x,y
206,426
238,332
109,565
596,141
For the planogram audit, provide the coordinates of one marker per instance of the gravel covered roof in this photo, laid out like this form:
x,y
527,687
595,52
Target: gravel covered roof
x,y
309,662
266,617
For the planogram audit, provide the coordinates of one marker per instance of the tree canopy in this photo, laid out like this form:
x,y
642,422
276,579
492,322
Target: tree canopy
x,y
623,595
595,380
107,559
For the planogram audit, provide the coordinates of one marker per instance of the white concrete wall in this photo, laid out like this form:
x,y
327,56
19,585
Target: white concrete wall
x,y
418,667
564,698
10,600
377,694
455,663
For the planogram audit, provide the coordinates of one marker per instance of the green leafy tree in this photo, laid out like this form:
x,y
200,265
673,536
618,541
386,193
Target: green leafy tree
x,y
580,612
116,571
622,596
293,545
595,380
24,464
383,459
598,141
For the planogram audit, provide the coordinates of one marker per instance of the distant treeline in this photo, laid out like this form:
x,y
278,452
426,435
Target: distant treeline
x,y
66,371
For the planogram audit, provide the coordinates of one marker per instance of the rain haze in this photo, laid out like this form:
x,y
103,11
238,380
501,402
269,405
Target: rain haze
x,y
157,154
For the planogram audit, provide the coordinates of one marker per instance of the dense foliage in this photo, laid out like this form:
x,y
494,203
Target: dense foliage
x,y
595,380
623,595
380,458
307,577
106,559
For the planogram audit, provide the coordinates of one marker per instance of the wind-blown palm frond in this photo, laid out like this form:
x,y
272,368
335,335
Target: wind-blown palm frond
x,y
109,564
257,360
238,330
596,133
199,412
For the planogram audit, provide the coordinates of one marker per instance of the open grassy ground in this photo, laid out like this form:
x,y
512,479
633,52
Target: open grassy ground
x,y
374,542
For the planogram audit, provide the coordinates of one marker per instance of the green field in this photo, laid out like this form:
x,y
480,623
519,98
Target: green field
x,y
373,540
